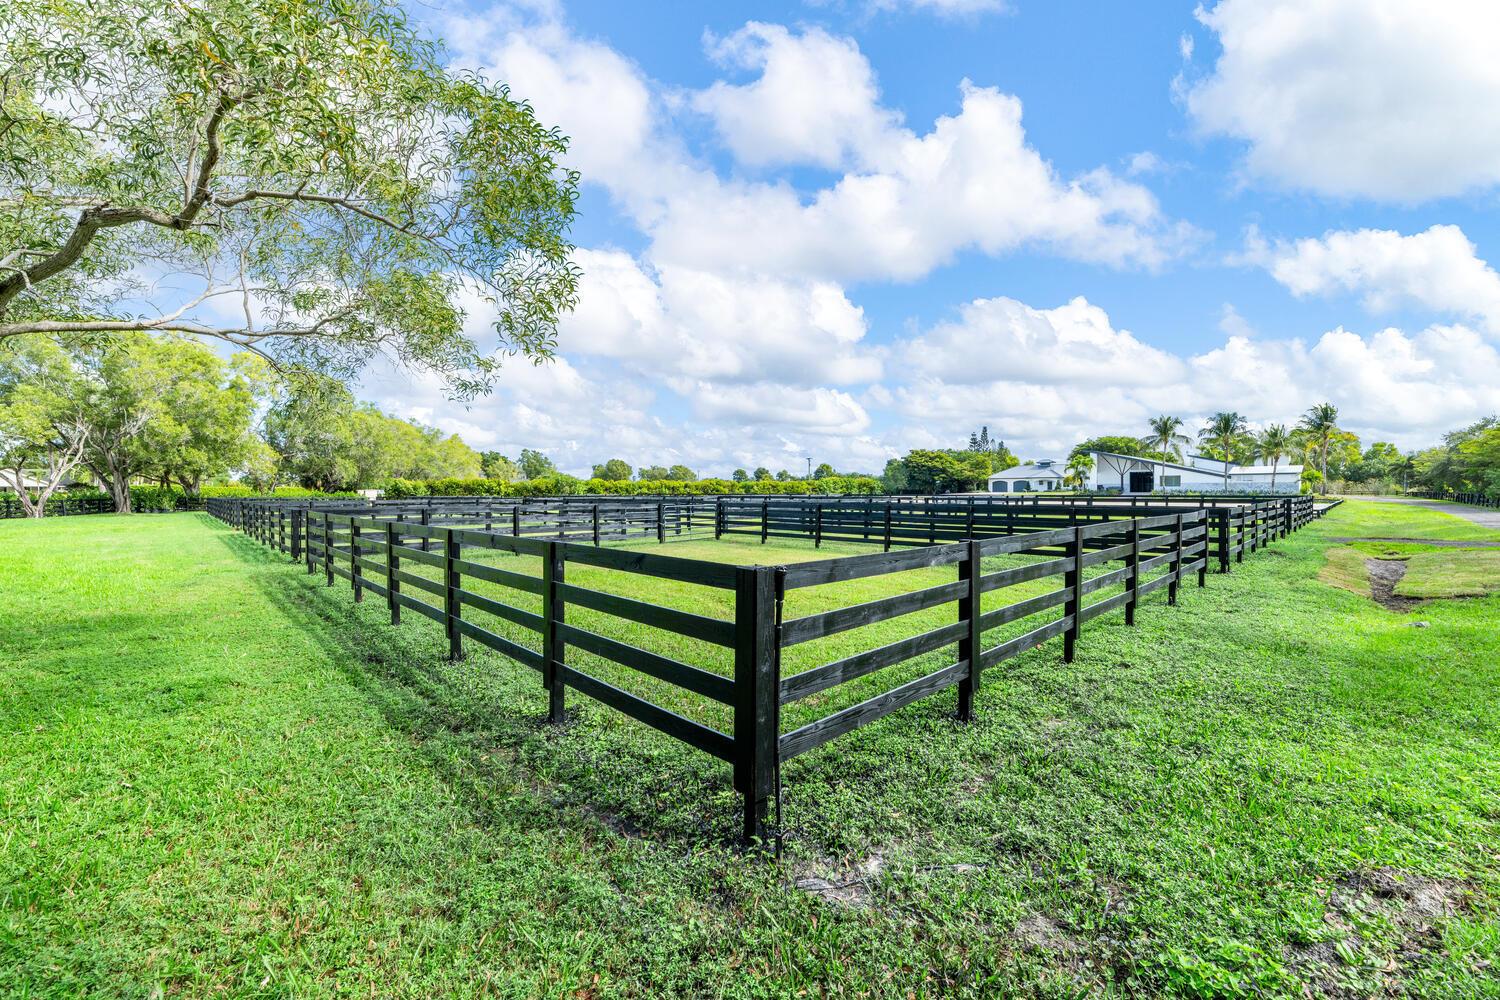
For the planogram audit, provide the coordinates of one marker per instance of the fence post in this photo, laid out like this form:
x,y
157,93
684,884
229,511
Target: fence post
x,y
515,520
818,527
756,694
1133,564
392,565
554,565
426,520
1073,583
328,549
596,524
661,523
718,518
1221,519
765,514
297,516
971,644
888,526
355,573
1176,565
452,609
307,528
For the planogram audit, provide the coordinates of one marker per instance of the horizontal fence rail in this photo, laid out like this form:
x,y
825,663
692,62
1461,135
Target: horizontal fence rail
x,y
967,584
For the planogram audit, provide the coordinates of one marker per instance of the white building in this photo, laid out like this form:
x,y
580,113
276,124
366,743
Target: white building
x,y
1129,474
1043,474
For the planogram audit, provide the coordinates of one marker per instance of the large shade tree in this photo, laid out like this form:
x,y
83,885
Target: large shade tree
x,y
317,184
42,431
158,406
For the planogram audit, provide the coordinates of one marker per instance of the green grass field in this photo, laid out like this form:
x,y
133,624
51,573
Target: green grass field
x,y
221,777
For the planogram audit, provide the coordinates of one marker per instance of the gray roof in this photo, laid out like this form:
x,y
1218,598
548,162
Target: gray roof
x,y
1031,471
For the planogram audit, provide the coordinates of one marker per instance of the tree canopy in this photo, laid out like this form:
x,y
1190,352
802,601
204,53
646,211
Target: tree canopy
x,y
310,167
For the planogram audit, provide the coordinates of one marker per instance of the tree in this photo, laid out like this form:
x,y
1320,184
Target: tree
x,y
681,474
651,473
1115,444
1321,424
1079,467
931,471
1272,444
894,478
1166,434
823,471
762,473
147,401
42,435
535,465
740,476
1000,457
783,476
314,162
493,465
210,431
615,470
1223,435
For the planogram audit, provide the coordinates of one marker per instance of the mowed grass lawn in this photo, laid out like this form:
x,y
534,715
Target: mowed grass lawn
x,y
220,777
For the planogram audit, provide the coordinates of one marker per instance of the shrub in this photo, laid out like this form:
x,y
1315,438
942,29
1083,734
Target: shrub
x,y
562,485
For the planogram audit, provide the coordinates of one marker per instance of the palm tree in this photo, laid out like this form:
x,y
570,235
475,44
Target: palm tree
x,y
1079,467
1165,432
1273,443
1224,432
1321,423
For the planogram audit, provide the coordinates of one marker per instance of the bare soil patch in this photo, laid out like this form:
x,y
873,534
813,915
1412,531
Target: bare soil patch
x,y
1384,575
1410,905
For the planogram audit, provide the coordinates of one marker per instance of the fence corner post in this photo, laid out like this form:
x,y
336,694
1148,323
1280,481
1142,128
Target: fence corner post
x,y
756,695
554,563
971,644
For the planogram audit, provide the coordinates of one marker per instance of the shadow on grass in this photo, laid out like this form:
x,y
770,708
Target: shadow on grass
x,y
480,723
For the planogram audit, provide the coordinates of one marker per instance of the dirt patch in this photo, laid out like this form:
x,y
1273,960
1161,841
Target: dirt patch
x,y
1384,575
1039,932
1381,923
851,888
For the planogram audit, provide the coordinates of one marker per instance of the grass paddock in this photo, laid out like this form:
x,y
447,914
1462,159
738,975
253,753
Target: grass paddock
x,y
222,777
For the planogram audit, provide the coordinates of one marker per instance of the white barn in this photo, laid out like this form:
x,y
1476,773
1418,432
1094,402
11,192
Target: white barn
x,y
1129,474
1041,475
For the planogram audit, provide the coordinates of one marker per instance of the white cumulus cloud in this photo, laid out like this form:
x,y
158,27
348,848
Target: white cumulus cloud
x,y
1438,269
1387,99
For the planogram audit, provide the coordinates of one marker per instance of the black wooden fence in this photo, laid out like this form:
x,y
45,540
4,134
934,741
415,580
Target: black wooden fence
x,y
1088,551
1234,528
59,506
1475,499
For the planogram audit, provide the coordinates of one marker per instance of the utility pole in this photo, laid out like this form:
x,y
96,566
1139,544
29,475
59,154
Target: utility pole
x,y
809,466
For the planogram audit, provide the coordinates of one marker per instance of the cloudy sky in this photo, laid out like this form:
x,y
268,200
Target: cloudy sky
x,y
841,229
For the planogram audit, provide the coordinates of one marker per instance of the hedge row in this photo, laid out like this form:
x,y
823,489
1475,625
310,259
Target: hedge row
x,y
570,486
148,499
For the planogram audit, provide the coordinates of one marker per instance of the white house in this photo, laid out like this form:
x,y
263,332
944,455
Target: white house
x,y
1129,474
1043,474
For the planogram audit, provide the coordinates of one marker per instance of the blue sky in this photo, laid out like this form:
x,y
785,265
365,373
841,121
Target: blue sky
x,y
846,229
